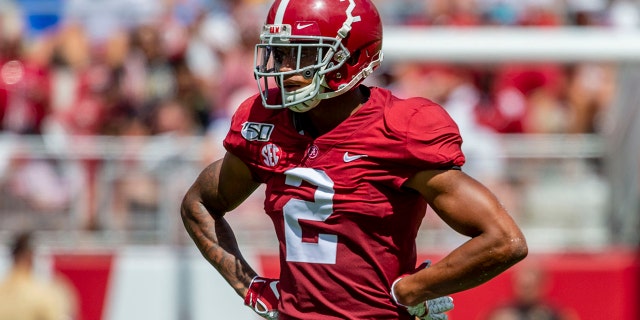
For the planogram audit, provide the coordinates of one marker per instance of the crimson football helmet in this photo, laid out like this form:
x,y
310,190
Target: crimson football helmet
x,y
335,43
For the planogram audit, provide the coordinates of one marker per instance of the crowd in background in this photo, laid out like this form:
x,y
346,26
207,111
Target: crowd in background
x,y
146,67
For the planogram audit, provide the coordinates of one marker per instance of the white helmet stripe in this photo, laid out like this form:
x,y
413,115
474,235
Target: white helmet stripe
x,y
280,13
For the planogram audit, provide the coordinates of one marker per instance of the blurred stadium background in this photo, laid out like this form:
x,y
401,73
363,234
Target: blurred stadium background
x,y
109,109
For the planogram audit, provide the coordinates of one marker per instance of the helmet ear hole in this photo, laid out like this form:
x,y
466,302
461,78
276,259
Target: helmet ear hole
x,y
354,58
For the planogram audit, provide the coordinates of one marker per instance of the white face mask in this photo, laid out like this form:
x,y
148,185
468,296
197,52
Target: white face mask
x,y
280,56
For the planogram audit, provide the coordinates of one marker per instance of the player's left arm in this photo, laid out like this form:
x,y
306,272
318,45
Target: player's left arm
x,y
496,242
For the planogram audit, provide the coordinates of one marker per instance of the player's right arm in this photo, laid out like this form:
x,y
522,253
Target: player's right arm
x,y
219,188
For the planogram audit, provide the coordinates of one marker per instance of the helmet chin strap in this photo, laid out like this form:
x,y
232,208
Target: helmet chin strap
x,y
306,105
302,93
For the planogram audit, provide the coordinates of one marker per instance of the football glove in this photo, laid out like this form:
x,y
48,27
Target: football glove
x,y
433,309
263,296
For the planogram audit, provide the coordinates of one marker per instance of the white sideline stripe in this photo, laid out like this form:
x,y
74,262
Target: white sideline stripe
x,y
143,285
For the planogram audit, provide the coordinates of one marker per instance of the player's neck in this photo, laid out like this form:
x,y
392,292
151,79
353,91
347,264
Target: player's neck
x,y
330,113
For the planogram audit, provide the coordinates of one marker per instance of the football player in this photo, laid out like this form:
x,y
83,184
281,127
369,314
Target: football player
x,y
349,172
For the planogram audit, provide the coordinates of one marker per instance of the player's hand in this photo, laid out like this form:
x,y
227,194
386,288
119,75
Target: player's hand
x,y
433,309
263,296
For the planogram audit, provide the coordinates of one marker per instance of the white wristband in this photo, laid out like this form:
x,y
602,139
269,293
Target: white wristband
x,y
393,294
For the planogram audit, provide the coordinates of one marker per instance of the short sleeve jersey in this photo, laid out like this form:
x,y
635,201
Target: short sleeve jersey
x,y
346,227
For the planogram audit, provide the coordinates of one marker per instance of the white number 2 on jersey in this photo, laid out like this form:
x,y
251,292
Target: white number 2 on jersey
x,y
324,251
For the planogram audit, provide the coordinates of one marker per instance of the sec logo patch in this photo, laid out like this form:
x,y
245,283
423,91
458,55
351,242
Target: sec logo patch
x,y
271,154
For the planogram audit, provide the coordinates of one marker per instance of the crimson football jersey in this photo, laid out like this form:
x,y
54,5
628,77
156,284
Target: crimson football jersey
x,y
346,227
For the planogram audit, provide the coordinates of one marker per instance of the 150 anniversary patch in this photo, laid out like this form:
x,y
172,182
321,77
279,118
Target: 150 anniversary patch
x,y
256,131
